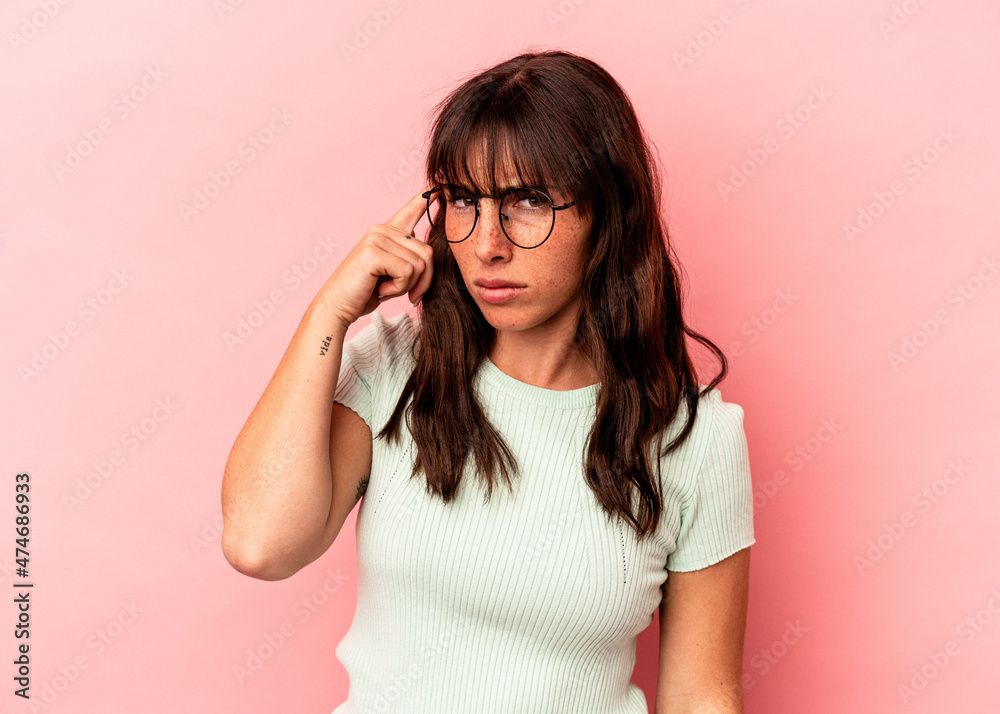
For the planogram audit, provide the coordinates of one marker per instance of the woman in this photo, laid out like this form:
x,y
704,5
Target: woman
x,y
626,485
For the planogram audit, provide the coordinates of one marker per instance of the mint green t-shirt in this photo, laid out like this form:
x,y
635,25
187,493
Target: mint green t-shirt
x,y
531,602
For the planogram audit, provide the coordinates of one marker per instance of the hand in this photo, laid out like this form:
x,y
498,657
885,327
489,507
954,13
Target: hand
x,y
386,255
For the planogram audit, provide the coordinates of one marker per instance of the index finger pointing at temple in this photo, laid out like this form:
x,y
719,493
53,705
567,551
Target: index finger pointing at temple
x,y
408,216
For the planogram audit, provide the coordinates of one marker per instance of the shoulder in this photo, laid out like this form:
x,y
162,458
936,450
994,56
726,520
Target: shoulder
x,y
385,343
721,415
712,489
389,336
722,466
396,331
716,436
713,414
719,425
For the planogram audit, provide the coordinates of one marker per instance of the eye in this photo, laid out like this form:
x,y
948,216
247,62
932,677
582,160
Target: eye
x,y
529,199
459,199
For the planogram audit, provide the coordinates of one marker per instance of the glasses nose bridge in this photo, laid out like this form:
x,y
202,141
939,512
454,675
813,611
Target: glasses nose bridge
x,y
486,211
489,201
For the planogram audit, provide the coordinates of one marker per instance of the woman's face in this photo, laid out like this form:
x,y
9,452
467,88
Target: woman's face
x,y
551,273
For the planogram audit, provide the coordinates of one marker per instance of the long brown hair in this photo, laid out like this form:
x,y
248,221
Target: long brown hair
x,y
561,120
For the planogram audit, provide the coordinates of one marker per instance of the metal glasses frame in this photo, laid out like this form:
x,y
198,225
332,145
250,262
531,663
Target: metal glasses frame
x,y
500,199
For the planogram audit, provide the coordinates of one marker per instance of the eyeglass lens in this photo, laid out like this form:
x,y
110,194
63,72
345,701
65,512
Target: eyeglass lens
x,y
526,215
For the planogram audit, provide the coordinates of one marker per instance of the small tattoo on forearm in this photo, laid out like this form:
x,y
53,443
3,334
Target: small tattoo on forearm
x,y
362,487
326,345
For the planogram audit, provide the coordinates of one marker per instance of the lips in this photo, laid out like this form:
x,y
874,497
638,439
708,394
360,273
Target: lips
x,y
497,283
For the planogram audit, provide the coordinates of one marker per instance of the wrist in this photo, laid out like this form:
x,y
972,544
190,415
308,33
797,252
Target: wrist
x,y
327,316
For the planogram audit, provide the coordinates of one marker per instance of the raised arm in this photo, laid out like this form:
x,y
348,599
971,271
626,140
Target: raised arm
x,y
279,506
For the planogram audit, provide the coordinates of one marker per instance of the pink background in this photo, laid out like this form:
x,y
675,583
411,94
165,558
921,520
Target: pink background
x,y
819,115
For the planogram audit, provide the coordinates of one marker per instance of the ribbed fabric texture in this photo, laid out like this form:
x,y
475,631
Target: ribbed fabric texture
x,y
531,602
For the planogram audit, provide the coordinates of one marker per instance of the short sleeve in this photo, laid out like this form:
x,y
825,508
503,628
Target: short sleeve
x,y
717,520
359,367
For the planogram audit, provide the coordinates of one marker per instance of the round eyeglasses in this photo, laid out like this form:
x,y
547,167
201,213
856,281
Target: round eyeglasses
x,y
527,215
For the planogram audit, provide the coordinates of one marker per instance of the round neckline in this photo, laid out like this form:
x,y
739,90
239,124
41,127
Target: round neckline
x,y
560,399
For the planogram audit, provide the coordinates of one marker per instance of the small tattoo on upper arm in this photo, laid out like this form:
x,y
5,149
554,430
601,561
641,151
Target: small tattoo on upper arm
x,y
326,345
362,487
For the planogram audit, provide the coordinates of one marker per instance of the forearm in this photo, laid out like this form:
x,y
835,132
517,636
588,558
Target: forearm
x,y
700,708
277,485
699,704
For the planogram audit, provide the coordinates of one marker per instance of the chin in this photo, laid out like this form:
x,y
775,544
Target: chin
x,y
500,317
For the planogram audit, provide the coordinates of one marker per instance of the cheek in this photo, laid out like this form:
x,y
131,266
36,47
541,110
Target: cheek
x,y
561,275
461,260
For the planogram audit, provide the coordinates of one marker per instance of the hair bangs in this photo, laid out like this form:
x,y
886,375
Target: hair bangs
x,y
507,144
